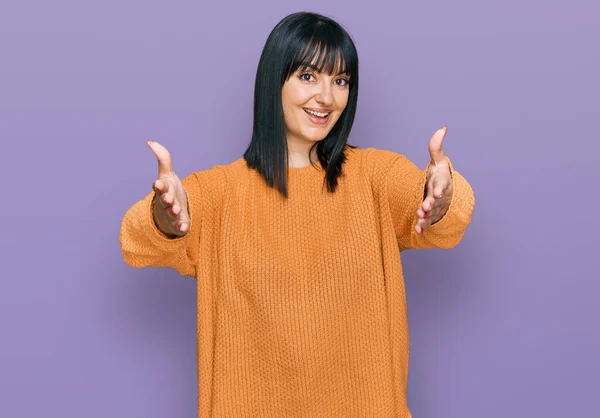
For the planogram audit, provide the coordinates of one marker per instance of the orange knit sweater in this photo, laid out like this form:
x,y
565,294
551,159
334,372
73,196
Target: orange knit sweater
x,y
301,303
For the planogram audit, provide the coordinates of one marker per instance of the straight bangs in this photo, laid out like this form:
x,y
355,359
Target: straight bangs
x,y
326,51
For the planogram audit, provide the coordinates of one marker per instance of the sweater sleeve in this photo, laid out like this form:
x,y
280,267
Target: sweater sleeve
x,y
399,186
405,190
144,245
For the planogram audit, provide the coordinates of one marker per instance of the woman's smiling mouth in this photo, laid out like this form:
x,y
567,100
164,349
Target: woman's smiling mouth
x,y
319,118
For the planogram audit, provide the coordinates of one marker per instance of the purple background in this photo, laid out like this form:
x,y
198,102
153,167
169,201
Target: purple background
x,y
506,324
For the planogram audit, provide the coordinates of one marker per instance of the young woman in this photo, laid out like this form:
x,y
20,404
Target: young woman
x,y
295,247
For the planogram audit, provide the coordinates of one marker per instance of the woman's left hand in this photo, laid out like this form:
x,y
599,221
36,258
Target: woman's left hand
x,y
439,188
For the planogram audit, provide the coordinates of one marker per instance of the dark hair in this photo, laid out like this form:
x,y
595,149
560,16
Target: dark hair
x,y
294,43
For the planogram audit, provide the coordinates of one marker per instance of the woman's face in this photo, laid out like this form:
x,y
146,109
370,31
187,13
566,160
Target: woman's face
x,y
308,91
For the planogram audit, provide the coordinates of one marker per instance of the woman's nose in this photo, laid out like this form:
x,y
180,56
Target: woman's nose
x,y
325,96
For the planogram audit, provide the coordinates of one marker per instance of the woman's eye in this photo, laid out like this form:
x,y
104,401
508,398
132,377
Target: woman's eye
x,y
342,82
303,78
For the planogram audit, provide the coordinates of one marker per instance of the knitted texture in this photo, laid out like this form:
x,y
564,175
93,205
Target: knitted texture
x,y
301,302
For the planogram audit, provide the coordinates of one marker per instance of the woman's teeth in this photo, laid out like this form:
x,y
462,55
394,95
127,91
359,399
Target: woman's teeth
x,y
318,114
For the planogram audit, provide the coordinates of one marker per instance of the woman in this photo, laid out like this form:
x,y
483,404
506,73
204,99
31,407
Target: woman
x,y
295,246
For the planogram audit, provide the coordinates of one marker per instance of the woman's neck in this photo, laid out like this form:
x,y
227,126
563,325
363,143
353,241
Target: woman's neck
x,y
298,155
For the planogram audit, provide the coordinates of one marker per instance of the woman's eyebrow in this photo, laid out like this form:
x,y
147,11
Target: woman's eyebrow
x,y
315,68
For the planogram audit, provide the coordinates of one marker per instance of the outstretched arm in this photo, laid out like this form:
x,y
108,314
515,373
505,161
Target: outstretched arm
x,y
162,229
440,200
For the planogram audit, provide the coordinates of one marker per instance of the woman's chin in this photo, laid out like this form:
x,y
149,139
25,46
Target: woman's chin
x,y
316,135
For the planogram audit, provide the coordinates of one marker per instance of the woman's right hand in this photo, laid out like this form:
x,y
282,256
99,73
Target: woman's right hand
x,y
170,202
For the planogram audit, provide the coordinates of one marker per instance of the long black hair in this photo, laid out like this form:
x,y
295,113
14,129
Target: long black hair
x,y
294,43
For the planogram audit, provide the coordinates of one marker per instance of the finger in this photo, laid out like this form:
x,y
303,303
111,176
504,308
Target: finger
x,y
171,211
421,226
160,186
168,199
435,145
428,203
176,210
438,189
165,166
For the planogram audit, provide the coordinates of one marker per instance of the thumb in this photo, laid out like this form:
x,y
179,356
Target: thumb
x,y
163,156
435,145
